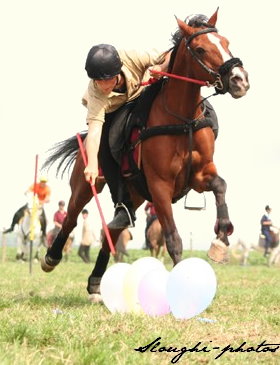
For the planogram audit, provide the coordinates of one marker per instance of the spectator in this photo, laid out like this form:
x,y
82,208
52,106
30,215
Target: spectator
x,y
266,224
87,238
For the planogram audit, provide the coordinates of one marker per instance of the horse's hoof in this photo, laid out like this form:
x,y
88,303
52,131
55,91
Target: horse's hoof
x,y
218,252
48,264
95,298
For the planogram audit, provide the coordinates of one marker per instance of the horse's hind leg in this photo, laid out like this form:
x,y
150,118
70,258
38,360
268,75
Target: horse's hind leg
x,y
219,248
81,195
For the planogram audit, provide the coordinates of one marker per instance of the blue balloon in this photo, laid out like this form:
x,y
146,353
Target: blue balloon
x,y
191,287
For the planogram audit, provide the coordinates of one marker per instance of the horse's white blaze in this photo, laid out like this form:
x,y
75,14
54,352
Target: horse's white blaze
x,y
214,39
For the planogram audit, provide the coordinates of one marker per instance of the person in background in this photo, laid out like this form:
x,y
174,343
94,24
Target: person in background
x,y
87,238
266,225
43,192
58,219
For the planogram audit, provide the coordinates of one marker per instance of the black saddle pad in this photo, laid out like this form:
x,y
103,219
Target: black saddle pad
x,y
133,114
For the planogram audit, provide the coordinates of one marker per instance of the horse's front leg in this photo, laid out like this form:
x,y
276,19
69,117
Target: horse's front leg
x,y
218,251
162,203
81,195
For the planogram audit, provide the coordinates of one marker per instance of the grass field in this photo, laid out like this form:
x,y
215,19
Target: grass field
x,y
47,319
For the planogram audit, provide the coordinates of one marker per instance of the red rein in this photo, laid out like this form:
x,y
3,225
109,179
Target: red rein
x,y
188,79
106,231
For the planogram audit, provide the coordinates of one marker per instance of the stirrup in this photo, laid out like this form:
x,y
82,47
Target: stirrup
x,y
122,205
197,206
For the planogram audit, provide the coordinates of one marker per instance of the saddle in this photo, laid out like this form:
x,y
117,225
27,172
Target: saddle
x,y
129,129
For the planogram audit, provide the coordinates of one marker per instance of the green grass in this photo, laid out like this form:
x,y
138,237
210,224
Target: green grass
x,y
47,318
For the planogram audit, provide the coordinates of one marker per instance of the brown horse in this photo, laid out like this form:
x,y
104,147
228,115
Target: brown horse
x,y
178,156
124,237
156,239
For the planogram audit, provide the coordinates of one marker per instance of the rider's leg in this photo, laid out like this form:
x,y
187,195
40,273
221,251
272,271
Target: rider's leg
x,y
268,242
43,222
124,213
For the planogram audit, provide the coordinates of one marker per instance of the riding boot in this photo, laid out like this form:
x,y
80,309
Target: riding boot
x,y
123,217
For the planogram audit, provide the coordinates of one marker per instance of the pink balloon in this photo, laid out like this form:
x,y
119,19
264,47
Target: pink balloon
x,y
152,293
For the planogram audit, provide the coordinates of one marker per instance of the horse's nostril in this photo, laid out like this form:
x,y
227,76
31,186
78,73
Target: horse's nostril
x,y
236,79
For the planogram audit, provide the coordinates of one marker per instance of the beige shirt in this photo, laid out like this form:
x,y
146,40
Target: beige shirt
x,y
87,234
135,65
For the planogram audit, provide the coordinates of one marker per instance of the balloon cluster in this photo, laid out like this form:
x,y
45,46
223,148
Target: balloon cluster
x,y
145,286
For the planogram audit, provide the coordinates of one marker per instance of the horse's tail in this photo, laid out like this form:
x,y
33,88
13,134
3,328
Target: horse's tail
x,y
65,152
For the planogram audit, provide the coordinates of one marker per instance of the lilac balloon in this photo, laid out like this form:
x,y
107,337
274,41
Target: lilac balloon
x,y
134,275
152,293
191,287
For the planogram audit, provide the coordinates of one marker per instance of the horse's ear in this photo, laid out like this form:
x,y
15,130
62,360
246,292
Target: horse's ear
x,y
184,27
213,19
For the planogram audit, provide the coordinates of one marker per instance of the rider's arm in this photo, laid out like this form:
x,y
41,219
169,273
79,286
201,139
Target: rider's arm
x,y
96,105
161,67
92,147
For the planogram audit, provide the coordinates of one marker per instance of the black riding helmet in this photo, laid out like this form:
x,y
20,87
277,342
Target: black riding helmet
x,y
103,62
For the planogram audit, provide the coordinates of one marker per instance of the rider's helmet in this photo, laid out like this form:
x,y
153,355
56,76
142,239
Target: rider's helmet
x,y
196,20
43,179
103,62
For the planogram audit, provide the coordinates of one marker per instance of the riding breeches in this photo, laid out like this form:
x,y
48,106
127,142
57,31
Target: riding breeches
x,y
111,169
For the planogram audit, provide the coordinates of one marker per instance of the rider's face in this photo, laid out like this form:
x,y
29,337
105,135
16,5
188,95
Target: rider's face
x,y
106,86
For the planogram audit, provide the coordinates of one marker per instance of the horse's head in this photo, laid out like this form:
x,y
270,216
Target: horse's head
x,y
212,59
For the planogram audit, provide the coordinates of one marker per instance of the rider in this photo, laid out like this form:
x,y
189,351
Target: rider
x,y
115,79
43,192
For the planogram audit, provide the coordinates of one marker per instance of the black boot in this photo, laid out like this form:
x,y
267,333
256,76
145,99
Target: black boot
x,y
123,218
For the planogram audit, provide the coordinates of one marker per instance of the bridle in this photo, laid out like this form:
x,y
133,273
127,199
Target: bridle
x,y
220,84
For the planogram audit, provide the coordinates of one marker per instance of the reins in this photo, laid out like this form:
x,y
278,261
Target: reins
x,y
174,76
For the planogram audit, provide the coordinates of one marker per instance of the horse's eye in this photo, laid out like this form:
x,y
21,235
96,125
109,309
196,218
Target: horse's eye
x,y
200,51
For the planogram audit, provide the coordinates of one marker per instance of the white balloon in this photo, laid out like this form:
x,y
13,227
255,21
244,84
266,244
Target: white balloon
x,y
191,287
132,280
111,287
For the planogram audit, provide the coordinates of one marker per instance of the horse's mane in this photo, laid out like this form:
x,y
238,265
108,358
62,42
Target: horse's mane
x,y
178,36
65,152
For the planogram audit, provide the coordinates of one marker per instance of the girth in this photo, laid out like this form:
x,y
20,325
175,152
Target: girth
x,y
173,129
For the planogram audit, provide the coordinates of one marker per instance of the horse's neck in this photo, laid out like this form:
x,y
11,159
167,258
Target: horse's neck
x,y
183,97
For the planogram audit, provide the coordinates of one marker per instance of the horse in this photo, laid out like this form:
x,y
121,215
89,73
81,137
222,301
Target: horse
x,y
177,147
240,251
30,221
68,244
156,239
122,241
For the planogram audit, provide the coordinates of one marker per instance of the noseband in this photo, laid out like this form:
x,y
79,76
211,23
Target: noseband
x,y
221,81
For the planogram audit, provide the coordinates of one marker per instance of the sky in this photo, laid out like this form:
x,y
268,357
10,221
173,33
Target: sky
x,y
43,50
